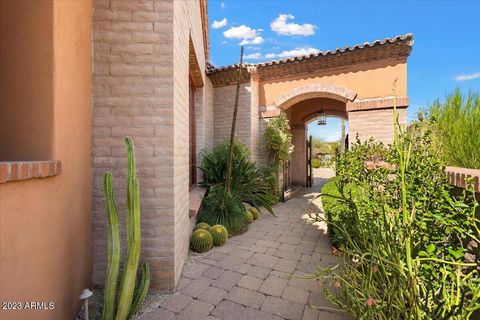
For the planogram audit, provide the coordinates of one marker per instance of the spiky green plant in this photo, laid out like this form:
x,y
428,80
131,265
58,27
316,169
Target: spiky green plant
x,y
456,123
248,181
219,235
224,208
255,213
202,225
129,299
201,241
249,216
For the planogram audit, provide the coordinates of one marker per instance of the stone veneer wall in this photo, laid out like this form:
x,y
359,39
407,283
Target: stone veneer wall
x,y
141,89
187,25
223,101
374,123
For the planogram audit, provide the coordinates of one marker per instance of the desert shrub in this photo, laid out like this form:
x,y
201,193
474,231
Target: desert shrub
x,y
333,196
278,138
456,124
408,248
225,208
248,182
316,163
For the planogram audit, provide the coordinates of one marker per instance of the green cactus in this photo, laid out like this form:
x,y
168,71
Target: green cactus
x,y
219,235
113,249
141,291
202,225
255,213
126,303
249,216
201,241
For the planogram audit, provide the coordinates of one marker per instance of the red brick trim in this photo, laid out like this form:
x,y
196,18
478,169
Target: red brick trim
x,y
456,176
24,170
196,197
377,103
320,90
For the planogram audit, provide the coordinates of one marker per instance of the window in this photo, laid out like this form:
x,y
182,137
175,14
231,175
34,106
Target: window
x,y
192,135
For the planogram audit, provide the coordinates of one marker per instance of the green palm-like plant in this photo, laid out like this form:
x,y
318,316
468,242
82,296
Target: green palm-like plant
x,y
225,209
129,298
248,181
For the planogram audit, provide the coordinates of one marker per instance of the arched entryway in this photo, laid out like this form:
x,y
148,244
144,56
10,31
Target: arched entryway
x,y
302,106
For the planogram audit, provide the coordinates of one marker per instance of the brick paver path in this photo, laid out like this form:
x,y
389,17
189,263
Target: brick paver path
x,y
248,278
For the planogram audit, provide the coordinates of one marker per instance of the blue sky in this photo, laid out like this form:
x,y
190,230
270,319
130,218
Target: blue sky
x,y
445,55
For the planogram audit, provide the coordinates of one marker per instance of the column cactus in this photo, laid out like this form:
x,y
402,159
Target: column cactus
x,y
126,304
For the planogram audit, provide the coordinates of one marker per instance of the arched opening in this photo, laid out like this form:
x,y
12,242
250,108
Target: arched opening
x,y
303,116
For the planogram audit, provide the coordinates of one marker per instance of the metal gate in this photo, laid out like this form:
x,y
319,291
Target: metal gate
x,y
287,181
309,173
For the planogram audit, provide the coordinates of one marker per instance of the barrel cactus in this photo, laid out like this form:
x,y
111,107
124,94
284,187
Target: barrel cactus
x,y
219,235
249,216
201,241
255,213
202,225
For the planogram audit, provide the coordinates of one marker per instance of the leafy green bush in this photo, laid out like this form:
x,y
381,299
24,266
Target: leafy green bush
x,y
316,163
334,205
407,246
456,123
278,138
249,183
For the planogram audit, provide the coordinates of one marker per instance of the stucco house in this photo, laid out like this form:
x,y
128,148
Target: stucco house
x,y
77,76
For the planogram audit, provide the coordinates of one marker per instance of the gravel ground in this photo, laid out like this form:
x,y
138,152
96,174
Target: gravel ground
x,y
152,301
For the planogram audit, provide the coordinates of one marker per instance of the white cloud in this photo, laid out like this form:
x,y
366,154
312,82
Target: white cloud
x,y
224,42
256,55
246,34
465,77
222,5
282,27
292,53
256,40
219,24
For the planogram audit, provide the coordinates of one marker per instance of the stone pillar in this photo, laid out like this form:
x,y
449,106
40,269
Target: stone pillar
x,y
133,95
298,164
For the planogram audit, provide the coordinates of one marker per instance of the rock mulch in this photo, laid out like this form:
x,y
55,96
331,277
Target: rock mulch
x,y
258,275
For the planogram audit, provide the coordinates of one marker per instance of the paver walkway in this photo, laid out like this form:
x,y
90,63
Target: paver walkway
x,y
248,278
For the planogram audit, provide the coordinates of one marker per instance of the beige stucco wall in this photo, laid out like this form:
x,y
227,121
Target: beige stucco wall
x,y
141,89
368,80
45,223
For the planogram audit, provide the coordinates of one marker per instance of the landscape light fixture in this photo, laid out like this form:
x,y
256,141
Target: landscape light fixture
x,y
321,118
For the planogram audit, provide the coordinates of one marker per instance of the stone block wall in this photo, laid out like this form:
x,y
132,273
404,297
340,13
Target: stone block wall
x,y
187,26
141,89
224,100
374,123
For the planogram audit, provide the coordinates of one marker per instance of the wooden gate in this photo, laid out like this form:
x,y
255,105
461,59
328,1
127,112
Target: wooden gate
x,y
287,181
309,177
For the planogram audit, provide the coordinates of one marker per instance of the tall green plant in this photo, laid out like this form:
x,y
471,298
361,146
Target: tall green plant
x,y
456,122
405,241
278,138
129,298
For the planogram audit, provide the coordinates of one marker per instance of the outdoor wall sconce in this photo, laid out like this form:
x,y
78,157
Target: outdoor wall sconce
x,y
321,118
